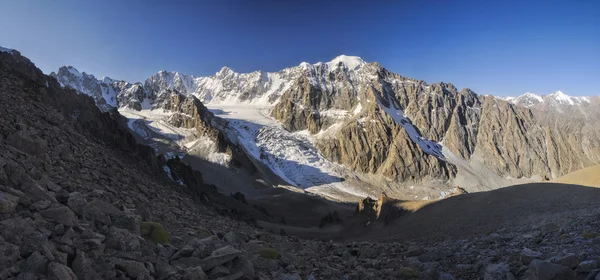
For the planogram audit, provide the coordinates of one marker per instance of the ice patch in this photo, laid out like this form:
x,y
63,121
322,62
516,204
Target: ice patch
x,y
428,146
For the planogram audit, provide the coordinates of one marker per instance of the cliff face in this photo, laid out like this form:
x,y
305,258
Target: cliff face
x,y
349,119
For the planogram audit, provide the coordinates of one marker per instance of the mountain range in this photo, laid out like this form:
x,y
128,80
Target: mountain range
x,y
365,125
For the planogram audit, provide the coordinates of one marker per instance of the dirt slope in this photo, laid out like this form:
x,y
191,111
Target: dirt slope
x,y
515,207
589,176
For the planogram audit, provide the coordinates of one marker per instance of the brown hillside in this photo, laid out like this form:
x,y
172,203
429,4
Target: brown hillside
x,y
589,176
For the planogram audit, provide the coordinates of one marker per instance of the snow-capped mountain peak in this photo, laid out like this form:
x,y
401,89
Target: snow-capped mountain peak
x,y
351,62
225,71
527,99
74,71
558,97
561,97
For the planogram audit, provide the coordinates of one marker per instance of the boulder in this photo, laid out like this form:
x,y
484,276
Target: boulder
x,y
122,239
62,215
219,257
218,271
194,273
544,270
527,255
246,267
60,272
23,141
587,266
499,271
286,276
40,205
568,260
232,238
132,268
186,262
76,202
8,202
36,263
10,254
82,267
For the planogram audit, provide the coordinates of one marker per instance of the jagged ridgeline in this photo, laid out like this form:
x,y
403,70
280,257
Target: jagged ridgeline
x,y
373,121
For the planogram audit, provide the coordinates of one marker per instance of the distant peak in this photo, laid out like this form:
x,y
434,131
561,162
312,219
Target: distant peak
x,y
2,49
352,62
107,80
225,70
558,93
71,70
561,97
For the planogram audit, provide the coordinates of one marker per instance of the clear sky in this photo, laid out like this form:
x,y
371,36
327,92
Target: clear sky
x,y
500,47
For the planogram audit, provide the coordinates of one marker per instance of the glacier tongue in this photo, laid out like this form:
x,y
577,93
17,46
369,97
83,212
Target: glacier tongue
x,y
289,155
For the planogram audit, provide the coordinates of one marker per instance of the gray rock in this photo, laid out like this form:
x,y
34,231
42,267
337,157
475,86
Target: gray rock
x,y
288,259
47,249
185,251
9,254
62,215
568,260
232,238
36,263
150,267
446,276
48,184
129,222
543,270
218,271
32,241
164,270
434,256
587,266
77,202
527,255
40,205
186,262
100,211
246,267
234,276
26,276
122,239
165,251
413,262
60,272
194,273
8,202
294,276
499,271
82,267
132,268
219,257
368,252
202,251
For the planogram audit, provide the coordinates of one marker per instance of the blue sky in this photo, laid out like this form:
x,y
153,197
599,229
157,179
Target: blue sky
x,y
498,47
